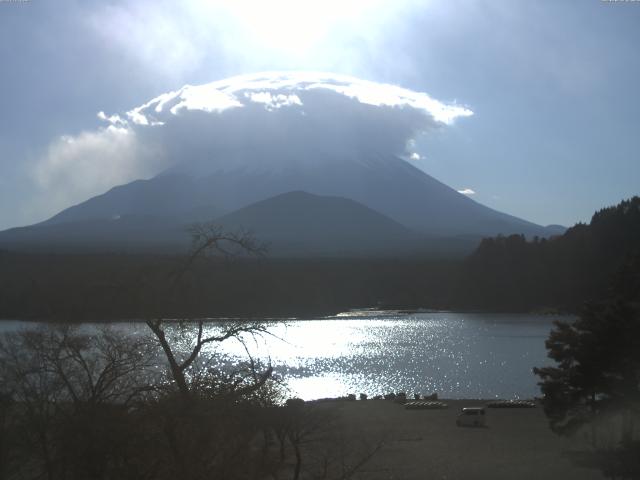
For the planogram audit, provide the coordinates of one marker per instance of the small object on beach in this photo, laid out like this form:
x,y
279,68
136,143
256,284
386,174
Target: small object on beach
x,y
422,405
511,404
471,417
363,396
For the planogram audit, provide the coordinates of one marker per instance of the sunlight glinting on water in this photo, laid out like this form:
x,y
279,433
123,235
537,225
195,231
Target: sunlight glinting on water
x,y
455,355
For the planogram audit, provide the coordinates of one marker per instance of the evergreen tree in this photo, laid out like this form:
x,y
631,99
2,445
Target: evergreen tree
x,y
597,376
598,366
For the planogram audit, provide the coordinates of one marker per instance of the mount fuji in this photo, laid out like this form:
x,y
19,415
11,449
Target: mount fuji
x,y
312,164
385,195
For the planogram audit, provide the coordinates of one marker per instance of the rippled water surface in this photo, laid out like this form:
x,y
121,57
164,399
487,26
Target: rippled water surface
x,y
456,355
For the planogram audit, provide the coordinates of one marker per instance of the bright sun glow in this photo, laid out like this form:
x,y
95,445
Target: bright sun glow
x,y
294,26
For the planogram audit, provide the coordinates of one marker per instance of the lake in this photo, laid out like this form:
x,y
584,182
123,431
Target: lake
x,y
457,355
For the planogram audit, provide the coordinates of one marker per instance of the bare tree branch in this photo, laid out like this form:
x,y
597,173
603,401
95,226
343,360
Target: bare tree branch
x,y
207,239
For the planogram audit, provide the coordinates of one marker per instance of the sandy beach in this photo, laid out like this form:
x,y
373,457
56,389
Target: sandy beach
x,y
427,444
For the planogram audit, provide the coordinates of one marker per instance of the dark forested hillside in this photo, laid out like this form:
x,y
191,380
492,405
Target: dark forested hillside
x,y
511,273
503,274
109,287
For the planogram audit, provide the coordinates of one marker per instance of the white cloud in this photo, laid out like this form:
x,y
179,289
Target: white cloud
x,y
229,123
75,168
279,89
272,102
114,120
467,191
206,98
176,39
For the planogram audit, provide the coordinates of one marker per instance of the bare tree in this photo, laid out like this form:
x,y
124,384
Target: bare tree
x,y
87,403
213,426
6,432
207,239
67,391
180,363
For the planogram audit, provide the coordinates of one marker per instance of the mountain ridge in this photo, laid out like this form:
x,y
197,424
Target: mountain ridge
x,y
302,224
197,191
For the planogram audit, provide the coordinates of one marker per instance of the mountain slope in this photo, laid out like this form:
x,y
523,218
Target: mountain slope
x,y
292,224
167,196
403,199
128,233
299,223
384,183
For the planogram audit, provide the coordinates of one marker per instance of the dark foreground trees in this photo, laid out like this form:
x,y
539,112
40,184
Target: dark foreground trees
x,y
90,405
598,369
66,398
594,390
82,403
79,404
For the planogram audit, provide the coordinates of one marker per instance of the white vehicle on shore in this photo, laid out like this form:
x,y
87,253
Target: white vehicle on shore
x,y
471,417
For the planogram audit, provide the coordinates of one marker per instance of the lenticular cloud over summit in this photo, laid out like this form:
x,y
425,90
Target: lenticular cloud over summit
x,y
249,148
276,90
227,123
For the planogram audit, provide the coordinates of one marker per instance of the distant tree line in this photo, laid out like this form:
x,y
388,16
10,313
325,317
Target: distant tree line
x,y
505,273
111,286
593,388
514,274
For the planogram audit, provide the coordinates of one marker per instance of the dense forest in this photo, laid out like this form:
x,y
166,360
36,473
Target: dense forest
x,y
106,287
511,273
503,274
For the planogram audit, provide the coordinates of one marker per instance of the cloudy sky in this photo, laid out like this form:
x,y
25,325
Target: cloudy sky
x,y
553,86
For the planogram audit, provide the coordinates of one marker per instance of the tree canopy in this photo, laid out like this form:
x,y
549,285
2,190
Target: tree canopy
x,y
596,379
598,366
513,273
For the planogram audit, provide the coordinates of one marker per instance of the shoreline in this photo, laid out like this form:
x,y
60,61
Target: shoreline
x,y
419,444
324,315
